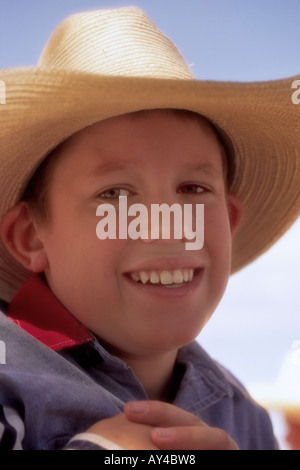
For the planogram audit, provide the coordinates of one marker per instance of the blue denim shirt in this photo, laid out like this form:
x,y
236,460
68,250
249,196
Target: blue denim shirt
x,y
59,392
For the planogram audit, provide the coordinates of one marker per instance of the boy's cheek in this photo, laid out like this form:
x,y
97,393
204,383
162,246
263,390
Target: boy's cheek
x,y
217,233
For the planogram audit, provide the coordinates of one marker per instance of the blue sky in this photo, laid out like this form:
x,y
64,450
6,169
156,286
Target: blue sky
x,y
224,39
241,40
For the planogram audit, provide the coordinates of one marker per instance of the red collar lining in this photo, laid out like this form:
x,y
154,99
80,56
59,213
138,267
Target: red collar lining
x,y
37,311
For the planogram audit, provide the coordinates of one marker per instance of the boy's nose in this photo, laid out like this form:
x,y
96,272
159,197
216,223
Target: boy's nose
x,y
165,223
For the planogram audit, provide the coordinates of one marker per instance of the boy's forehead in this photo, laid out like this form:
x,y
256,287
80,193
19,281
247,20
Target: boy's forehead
x,y
106,138
114,146
118,127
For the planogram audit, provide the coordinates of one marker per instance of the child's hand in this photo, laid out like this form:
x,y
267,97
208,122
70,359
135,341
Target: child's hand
x,y
152,425
127,434
174,428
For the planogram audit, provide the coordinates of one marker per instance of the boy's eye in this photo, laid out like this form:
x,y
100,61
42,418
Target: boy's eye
x,y
114,193
191,189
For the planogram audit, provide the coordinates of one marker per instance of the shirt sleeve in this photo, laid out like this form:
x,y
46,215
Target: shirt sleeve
x,y
90,441
11,429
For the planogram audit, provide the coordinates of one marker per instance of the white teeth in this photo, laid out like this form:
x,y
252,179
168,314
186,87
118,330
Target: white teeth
x,y
178,277
154,278
165,277
144,277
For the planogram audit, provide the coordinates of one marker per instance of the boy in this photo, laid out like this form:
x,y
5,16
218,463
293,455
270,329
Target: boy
x,y
99,339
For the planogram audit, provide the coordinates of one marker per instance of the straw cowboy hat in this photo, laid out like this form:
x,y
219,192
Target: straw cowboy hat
x,y
106,63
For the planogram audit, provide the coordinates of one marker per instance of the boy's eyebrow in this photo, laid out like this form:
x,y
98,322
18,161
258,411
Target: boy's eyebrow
x,y
109,167
203,167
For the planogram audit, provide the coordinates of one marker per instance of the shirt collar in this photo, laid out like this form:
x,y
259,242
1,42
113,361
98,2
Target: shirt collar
x,y
37,311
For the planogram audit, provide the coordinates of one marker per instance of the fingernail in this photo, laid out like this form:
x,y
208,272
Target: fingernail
x,y
164,432
138,407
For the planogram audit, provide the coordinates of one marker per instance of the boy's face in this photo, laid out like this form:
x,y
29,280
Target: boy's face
x,y
156,157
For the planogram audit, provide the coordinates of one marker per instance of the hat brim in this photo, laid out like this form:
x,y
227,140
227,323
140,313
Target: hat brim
x,y
45,105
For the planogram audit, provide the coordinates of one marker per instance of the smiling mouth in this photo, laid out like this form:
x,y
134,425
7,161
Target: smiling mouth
x,y
165,278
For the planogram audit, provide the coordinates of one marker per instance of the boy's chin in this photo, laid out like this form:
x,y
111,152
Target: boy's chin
x,y
170,339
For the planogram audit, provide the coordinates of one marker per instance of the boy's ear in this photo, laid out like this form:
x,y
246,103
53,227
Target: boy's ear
x,y
235,210
19,234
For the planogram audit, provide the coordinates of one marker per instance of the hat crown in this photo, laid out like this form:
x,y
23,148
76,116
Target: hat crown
x,y
118,42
